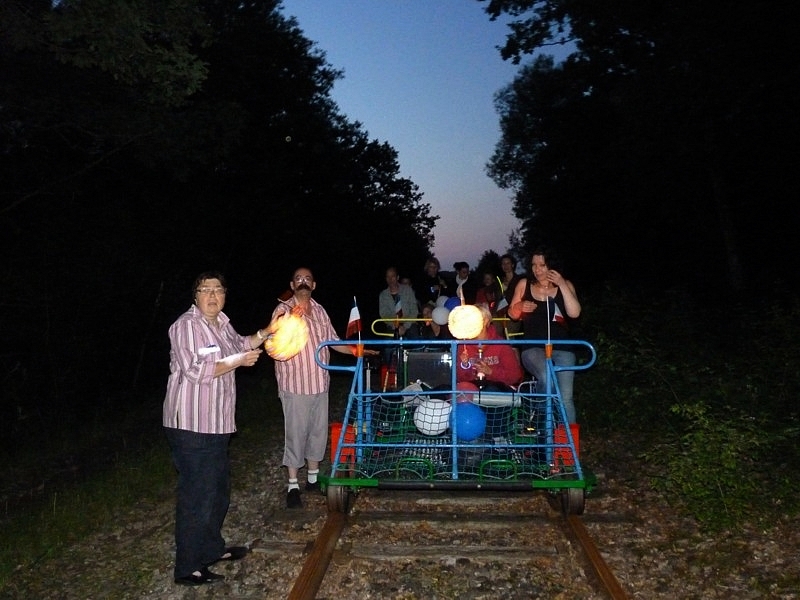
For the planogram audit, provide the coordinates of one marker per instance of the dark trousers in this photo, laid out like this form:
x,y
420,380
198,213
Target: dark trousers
x,y
203,496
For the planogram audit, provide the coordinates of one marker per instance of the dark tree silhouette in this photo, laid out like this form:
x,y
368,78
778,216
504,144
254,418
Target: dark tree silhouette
x,y
202,136
654,152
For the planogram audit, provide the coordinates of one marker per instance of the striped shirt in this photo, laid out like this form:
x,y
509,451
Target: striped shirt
x,y
196,400
301,374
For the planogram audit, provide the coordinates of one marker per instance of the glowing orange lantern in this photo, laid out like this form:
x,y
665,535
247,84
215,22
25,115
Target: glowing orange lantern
x,y
286,336
465,322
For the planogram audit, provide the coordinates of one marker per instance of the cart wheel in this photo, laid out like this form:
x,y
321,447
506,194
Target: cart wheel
x,y
339,498
572,501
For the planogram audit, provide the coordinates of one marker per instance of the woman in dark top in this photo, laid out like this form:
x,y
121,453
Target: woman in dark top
x,y
544,302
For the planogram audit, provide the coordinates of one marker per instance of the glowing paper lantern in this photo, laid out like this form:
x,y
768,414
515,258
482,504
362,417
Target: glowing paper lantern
x,y
286,336
440,315
465,322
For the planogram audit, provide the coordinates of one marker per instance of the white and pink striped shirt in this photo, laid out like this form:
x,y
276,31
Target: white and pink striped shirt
x,y
301,374
196,400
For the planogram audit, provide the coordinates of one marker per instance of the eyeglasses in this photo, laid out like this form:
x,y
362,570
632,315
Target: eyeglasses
x,y
304,278
219,291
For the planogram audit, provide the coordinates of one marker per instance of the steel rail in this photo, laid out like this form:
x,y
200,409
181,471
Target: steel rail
x,y
599,566
309,581
313,572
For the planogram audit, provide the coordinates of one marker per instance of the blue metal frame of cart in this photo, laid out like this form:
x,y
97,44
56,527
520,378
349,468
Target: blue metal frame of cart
x,y
413,436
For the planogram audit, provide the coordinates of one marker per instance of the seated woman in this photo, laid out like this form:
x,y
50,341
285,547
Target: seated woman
x,y
429,329
492,363
491,368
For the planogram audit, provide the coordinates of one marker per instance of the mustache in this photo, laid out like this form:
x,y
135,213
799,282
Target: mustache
x,y
303,286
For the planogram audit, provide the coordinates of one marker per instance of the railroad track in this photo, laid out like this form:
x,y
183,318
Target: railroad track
x,y
454,544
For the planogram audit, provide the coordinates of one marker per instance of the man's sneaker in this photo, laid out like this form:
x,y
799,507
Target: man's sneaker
x,y
293,499
313,487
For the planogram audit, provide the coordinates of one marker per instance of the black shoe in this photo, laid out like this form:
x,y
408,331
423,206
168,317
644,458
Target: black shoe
x,y
312,487
210,575
232,553
293,499
204,577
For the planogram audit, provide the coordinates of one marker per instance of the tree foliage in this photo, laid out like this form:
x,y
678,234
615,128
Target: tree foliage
x,y
146,44
654,156
143,142
656,145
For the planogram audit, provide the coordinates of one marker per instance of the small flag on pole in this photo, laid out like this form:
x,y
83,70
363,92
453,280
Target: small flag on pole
x,y
557,316
354,323
353,327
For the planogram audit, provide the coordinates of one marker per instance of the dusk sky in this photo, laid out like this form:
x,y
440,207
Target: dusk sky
x,y
421,75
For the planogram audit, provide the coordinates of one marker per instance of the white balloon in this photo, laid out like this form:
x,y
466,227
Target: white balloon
x,y
432,417
440,315
441,300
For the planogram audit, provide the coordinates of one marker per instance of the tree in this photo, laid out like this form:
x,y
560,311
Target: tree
x,y
641,144
101,53
122,180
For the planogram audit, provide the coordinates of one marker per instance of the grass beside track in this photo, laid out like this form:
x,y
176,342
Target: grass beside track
x,y
44,525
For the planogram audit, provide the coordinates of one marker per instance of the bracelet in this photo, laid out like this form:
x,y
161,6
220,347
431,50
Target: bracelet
x,y
260,335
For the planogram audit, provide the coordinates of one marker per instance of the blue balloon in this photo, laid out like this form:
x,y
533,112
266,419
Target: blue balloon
x,y
470,421
452,303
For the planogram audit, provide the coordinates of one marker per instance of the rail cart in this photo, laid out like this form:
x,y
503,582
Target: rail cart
x,y
423,431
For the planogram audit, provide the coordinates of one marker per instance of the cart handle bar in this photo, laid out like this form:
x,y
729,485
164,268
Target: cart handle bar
x,y
453,346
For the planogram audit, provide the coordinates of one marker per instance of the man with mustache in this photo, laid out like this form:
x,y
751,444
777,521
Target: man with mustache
x,y
303,387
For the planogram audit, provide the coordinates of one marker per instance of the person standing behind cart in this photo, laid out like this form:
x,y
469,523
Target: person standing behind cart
x,y
508,280
545,302
433,283
199,418
466,286
303,387
397,301
489,293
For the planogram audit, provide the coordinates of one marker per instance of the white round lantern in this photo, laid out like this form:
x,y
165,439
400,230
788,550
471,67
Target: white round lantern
x,y
432,416
465,322
286,337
